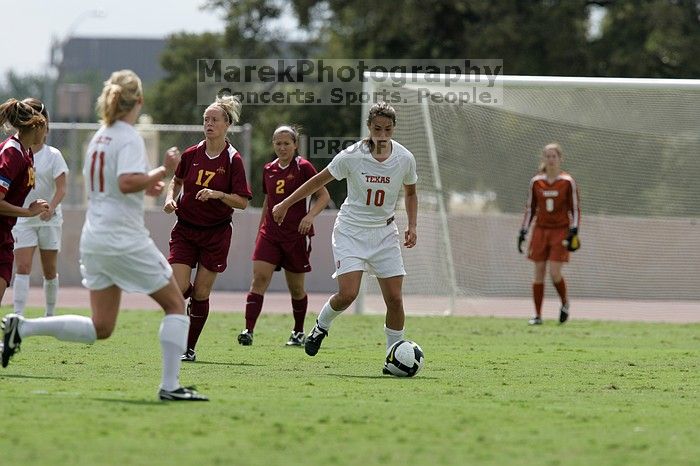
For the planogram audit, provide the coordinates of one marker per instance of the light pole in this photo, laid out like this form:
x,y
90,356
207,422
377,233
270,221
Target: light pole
x,y
54,72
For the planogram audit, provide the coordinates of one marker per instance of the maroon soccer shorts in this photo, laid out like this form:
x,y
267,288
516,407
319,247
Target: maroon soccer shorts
x,y
545,245
197,245
292,256
7,256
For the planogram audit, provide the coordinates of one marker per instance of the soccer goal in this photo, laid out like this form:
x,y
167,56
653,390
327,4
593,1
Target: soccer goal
x,y
633,145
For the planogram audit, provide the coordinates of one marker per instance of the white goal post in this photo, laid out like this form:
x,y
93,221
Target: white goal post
x,y
633,145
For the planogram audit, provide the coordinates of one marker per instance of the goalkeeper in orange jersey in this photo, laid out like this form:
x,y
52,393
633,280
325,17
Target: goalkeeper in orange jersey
x,y
553,201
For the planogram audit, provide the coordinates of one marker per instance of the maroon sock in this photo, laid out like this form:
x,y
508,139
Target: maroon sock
x,y
188,292
253,308
538,296
561,289
199,311
299,310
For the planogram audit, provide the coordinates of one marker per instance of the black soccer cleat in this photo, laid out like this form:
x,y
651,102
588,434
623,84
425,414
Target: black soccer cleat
x,y
564,312
245,338
11,339
296,339
189,356
181,394
314,339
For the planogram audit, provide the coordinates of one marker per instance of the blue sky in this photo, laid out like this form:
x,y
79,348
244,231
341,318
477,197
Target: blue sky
x,y
29,51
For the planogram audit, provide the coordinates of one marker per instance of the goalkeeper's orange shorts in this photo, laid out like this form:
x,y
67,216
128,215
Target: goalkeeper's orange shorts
x,y
546,244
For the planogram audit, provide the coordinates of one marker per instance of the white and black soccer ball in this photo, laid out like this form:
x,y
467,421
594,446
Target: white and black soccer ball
x,y
404,358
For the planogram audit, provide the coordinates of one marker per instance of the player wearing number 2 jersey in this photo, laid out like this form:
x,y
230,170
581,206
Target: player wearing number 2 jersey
x,y
365,236
116,251
208,184
553,203
286,246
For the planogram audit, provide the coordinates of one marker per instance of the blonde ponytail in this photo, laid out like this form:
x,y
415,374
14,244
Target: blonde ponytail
x,y
121,92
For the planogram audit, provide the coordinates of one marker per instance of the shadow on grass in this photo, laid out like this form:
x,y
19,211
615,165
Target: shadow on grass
x,y
217,363
19,376
134,401
381,376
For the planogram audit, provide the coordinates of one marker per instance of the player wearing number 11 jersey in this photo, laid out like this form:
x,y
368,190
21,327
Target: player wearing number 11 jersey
x,y
116,252
365,236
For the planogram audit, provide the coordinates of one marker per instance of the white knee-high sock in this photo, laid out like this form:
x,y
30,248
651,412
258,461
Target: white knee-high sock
x,y
327,315
20,291
173,341
79,329
392,336
51,292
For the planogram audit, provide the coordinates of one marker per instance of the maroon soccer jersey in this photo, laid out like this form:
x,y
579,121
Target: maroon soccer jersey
x,y
16,176
197,171
278,184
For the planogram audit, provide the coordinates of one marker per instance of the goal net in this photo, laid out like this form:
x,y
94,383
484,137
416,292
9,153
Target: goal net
x,y
633,146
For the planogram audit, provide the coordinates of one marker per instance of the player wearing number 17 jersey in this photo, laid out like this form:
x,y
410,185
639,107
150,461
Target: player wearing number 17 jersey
x,y
209,183
365,236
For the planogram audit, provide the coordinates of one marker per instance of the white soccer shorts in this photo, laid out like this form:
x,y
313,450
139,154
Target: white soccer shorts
x,y
143,271
47,237
374,250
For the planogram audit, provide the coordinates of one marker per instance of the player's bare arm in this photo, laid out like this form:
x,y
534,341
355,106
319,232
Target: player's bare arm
x,y
411,202
10,210
234,201
322,197
262,214
174,189
60,183
315,183
135,182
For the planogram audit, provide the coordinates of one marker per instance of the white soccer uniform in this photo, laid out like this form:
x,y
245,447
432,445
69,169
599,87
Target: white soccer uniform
x,y
365,237
33,231
115,245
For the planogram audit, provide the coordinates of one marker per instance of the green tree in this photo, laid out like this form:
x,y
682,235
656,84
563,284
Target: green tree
x,y
174,98
651,38
538,37
20,86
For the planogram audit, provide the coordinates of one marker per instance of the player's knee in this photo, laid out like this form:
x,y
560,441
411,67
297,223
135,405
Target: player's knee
x,y
23,269
297,292
259,284
394,302
200,294
346,298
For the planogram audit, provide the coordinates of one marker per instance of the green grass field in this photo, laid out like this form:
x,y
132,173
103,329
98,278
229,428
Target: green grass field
x,y
493,391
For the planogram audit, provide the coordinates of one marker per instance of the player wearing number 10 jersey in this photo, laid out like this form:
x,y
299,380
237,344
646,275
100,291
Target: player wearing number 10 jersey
x,y
365,236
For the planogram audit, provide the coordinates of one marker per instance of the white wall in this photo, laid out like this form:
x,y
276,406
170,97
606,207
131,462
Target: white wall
x,y
239,271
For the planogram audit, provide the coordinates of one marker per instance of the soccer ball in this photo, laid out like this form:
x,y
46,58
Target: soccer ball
x,y
404,358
